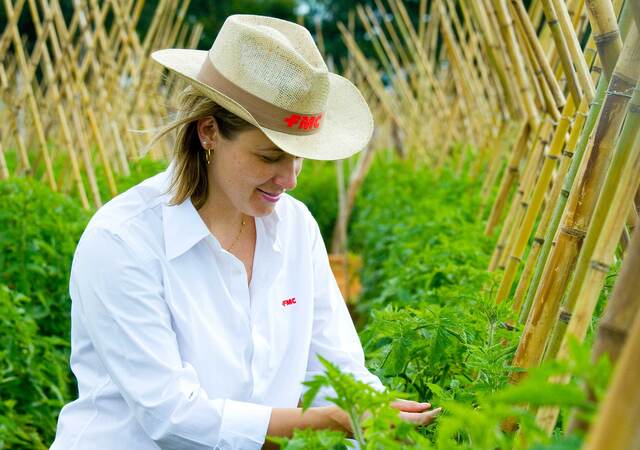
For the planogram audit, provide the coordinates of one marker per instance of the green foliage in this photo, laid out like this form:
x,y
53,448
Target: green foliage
x,y
312,440
317,188
39,230
375,424
434,331
34,378
419,237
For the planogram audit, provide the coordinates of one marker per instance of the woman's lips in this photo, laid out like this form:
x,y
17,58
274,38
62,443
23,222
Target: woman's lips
x,y
270,197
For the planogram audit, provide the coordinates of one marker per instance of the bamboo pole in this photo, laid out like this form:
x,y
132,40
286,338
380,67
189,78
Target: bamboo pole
x,y
539,251
508,178
598,250
538,240
411,38
46,29
4,170
577,58
616,424
562,50
31,101
596,253
544,96
12,20
622,307
513,49
593,114
532,39
542,184
526,186
491,45
605,32
635,10
579,210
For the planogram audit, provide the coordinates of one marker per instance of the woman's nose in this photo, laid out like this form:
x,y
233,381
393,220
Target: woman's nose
x,y
288,173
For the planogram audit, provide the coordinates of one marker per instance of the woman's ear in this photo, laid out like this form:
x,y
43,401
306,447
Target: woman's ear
x,y
208,131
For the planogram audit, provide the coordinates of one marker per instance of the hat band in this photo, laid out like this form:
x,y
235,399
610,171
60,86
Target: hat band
x,y
266,114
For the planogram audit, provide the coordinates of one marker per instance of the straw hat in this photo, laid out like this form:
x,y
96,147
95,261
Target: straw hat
x,y
269,72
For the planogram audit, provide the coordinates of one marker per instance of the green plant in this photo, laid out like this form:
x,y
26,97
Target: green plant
x,y
39,230
34,376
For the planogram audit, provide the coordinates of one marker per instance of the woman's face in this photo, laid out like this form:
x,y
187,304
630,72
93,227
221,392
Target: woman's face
x,y
251,172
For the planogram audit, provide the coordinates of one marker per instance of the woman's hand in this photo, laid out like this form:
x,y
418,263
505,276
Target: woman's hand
x,y
415,412
284,420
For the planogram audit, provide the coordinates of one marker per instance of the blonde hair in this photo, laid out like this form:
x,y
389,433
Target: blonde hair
x,y
190,171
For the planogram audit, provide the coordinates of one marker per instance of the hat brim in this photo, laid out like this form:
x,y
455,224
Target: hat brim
x,y
347,122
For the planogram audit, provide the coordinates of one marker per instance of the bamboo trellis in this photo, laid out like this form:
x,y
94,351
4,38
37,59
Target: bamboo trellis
x,y
551,106
71,98
543,99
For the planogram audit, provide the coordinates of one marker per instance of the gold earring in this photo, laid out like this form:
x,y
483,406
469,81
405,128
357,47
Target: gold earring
x,y
208,155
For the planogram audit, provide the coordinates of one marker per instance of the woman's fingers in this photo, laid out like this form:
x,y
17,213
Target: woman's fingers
x,y
420,418
410,405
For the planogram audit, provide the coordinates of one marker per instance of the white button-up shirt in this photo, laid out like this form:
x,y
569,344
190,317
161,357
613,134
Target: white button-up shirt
x,y
173,349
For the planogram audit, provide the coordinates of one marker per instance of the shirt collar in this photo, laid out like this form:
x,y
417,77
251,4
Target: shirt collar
x,y
183,227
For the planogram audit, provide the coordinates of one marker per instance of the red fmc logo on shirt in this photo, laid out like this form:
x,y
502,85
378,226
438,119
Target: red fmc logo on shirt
x,y
289,301
304,122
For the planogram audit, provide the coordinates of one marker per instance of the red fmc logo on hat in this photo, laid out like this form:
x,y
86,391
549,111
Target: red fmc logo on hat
x,y
304,122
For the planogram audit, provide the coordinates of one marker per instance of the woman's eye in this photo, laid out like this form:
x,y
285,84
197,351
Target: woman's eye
x,y
271,160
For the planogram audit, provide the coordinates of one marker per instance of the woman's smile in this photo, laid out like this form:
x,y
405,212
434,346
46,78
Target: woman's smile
x,y
270,197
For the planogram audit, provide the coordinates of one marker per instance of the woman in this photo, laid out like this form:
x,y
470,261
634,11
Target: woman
x,y
202,297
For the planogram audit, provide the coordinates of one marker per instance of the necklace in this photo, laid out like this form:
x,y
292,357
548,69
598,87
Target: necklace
x,y
238,236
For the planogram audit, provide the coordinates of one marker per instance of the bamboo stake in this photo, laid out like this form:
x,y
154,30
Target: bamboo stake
x,y
373,78
615,194
86,159
538,239
339,239
31,101
623,179
69,71
431,32
527,184
12,20
409,34
508,178
22,148
622,307
577,57
554,198
497,63
593,114
616,424
605,32
563,50
546,102
581,203
635,10
627,70
46,28
517,60
4,170
525,229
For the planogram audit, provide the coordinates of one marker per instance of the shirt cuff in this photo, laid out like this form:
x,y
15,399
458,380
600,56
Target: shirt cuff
x,y
244,425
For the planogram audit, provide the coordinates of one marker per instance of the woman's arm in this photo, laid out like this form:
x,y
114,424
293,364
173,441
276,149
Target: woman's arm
x,y
119,292
285,420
